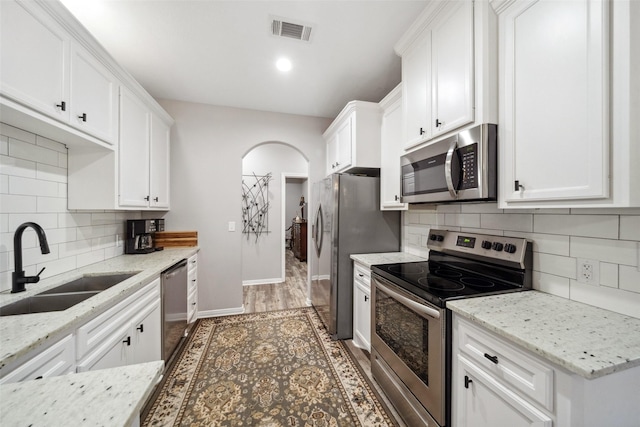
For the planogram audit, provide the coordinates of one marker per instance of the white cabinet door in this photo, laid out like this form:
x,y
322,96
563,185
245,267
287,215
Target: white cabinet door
x,y
35,57
332,153
146,335
94,96
57,359
416,91
362,316
111,353
159,164
452,62
554,101
484,402
345,139
390,152
133,151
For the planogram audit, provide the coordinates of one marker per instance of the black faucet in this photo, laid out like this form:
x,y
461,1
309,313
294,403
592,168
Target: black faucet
x,y
18,277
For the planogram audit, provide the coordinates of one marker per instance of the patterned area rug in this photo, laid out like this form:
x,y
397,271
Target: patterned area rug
x,y
266,369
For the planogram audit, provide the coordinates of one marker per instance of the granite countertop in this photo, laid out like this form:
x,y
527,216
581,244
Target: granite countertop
x,y
107,397
586,340
22,333
385,258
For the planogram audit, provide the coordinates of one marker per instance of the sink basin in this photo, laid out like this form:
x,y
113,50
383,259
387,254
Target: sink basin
x,y
44,303
89,284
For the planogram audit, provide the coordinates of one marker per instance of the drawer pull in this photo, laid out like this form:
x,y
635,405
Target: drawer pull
x,y
366,298
494,359
467,381
127,341
141,327
360,274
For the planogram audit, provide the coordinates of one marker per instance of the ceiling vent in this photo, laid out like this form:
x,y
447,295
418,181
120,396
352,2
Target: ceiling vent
x,y
285,28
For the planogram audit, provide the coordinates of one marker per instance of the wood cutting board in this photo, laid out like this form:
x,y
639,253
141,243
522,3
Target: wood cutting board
x,y
169,239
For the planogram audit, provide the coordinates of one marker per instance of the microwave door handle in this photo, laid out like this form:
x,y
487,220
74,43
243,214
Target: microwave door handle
x,y
420,308
448,165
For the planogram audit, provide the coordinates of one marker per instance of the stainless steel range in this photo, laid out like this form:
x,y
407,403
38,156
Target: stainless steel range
x,y
411,327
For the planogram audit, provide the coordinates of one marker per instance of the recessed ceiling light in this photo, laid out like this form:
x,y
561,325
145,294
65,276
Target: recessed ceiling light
x,y
283,64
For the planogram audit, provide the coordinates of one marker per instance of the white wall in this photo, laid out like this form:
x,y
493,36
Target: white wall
x,y
560,236
33,187
207,147
262,257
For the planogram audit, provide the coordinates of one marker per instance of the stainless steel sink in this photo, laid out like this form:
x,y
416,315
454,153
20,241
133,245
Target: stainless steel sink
x,y
89,284
64,296
44,303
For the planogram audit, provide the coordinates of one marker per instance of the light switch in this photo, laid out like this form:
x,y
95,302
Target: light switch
x,y
232,226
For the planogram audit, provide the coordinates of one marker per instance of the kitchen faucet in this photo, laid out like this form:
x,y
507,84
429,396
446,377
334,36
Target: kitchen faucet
x,y
18,277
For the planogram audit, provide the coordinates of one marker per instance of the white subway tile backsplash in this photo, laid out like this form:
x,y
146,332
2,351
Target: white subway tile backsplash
x,y
629,278
4,262
554,264
13,132
27,151
74,219
551,284
454,208
413,218
482,231
428,218
546,243
90,232
58,266
51,173
462,220
12,203
630,227
607,250
52,204
4,222
512,222
17,167
609,274
50,144
90,258
617,300
31,187
4,145
4,184
603,226
485,207
103,218
45,220
74,248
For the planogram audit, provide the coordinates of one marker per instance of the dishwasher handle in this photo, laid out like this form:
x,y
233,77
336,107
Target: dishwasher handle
x,y
175,269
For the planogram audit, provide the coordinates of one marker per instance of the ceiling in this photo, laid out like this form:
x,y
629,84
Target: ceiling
x,y
223,52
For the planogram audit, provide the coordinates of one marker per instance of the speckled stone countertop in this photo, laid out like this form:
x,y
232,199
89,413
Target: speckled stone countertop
x,y
385,258
586,340
107,397
22,333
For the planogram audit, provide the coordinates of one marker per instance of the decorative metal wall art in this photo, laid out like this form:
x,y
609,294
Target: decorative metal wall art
x,y
255,204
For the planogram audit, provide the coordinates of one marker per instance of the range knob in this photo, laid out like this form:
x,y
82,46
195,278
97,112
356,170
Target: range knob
x,y
439,238
510,248
497,246
486,244
432,237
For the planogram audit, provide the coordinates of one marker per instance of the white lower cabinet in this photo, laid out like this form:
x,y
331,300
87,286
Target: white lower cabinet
x,y
192,289
361,306
128,333
57,359
497,383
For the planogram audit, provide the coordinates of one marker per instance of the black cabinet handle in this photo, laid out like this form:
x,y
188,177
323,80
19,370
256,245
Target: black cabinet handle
x,y
141,327
494,359
127,341
438,123
467,381
421,131
62,106
517,186
155,199
193,303
83,117
147,198
39,377
366,298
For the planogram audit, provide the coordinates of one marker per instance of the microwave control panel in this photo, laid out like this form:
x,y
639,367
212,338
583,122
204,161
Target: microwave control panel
x,y
469,166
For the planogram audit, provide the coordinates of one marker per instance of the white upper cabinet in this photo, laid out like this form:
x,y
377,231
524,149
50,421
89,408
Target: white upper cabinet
x,y
452,62
448,70
390,151
94,96
353,139
35,59
567,104
44,69
159,163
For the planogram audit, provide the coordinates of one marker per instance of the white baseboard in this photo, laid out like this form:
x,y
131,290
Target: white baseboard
x,y
262,281
321,277
220,312
309,303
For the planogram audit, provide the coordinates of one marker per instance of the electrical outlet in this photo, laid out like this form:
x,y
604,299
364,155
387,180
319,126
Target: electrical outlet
x,y
232,226
588,271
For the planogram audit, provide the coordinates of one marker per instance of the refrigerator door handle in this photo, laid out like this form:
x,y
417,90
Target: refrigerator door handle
x,y
317,230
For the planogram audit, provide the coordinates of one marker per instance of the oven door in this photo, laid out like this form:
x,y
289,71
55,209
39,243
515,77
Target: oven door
x,y
409,334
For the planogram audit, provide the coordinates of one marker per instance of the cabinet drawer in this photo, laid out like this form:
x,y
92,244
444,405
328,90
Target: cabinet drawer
x,y
58,359
515,368
192,281
192,262
99,328
362,274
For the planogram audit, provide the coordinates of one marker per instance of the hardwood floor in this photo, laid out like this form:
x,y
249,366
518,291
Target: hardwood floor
x,y
292,293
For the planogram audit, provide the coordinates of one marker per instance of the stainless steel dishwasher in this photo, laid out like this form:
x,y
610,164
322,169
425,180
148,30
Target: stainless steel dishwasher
x,y
174,308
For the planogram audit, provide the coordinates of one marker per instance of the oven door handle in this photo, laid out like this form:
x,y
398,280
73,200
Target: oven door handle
x,y
420,308
448,168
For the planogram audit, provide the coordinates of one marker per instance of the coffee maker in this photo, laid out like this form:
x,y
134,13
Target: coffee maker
x,y
140,235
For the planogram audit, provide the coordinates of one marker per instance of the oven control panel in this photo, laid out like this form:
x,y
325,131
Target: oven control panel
x,y
490,248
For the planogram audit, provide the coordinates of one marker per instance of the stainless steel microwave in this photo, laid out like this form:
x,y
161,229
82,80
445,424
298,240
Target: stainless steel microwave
x,y
461,167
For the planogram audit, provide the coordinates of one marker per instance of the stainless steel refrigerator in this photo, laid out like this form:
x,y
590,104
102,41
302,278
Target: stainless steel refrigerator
x,y
347,220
